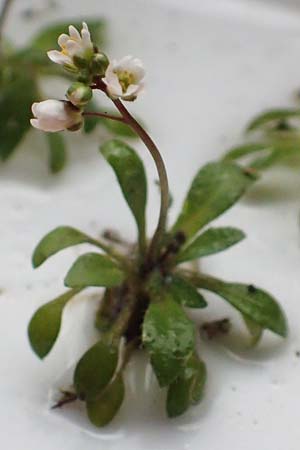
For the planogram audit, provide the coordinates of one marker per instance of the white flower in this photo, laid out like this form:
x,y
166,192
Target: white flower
x,y
56,115
124,78
73,45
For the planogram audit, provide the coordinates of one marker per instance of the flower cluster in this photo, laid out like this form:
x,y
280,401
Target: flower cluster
x,y
122,79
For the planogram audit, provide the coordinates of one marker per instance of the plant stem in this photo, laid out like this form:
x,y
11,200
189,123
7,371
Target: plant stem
x,y
3,16
163,178
104,116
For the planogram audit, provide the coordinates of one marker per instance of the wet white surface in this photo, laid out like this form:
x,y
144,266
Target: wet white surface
x,y
211,65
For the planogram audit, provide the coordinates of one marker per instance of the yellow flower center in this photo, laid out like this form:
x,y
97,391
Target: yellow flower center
x,y
125,79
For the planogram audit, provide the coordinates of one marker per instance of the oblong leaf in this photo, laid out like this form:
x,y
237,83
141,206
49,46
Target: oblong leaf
x,y
169,337
96,369
274,115
45,324
188,387
185,293
216,187
255,330
57,152
130,173
93,269
246,150
103,409
256,304
16,99
212,241
57,240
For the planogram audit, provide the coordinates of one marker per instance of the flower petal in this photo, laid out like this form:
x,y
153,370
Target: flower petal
x,y
58,57
62,40
74,33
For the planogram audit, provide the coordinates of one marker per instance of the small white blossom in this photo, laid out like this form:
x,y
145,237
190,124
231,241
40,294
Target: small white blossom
x,y
72,45
124,78
55,115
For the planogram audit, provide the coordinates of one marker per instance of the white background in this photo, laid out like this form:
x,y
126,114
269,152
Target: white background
x,y
211,65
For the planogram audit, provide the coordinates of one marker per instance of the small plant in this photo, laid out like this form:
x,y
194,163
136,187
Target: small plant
x,y
148,287
273,137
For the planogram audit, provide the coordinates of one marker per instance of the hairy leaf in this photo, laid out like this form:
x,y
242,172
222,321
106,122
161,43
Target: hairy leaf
x,y
130,172
93,269
45,324
185,293
255,304
103,409
169,337
212,241
96,369
57,240
188,387
216,187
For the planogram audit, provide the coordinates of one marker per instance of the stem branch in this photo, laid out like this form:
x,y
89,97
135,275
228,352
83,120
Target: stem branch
x,y
162,173
103,115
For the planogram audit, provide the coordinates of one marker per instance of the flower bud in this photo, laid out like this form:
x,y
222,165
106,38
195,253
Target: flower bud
x,y
99,64
56,115
79,94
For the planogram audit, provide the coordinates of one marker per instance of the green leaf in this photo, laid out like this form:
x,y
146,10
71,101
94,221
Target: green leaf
x,y
103,409
57,152
185,293
45,324
245,150
57,240
16,99
46,39
91,122
93,269
119,128
255,330
188,387
216,187
169,337
130,172
254,303
212,241
96,369
274,115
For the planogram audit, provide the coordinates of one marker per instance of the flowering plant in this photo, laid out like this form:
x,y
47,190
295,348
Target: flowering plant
x,y
22,73
147,288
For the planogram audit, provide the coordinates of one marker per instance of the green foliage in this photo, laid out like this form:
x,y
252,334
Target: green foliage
x,y
17,95
216,187
271,117
185,293
93,269
255,304
103,408
188,387
57,240
255,330
169,337
96,369
247,149
130,173
45,324
213,240
57,152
